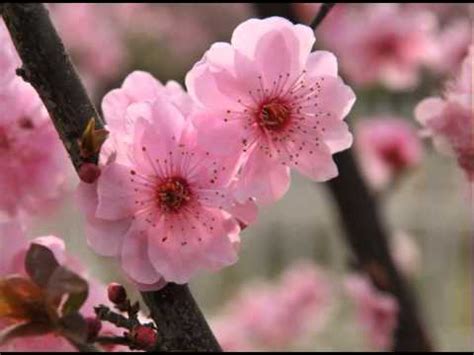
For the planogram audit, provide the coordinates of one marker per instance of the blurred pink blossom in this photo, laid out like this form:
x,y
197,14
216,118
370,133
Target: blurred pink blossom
x,y
278,111
93,40
377,311
274,315
159,204
386,146
450,119
32,158
452,45
381,43
13,248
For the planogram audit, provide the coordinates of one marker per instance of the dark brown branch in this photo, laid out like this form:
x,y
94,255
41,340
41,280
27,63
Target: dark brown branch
x,y
366,235
179,316
47,66
323,11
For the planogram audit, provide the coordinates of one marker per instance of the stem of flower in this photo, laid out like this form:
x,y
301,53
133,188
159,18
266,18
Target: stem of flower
x,y
323,12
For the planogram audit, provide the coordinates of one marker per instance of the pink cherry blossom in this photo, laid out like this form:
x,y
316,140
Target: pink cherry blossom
x,y
267,97
452,45
377,311
449,119
274,315
158,205
386,146
382,43
32,158
13,248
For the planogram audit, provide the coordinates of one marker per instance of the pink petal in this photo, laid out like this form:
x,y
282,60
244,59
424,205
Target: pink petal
x,y
263,178
116,193
135,261
103,236
321,63
428,109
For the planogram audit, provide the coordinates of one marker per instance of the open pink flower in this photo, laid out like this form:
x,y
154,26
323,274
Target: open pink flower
x,y
386,146
266,96
13,248
377,311
159,204
32,158
450,120
382,43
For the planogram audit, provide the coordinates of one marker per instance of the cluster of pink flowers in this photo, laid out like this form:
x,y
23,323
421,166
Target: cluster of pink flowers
x,y
377,311
182,174
13,247
32,159
382,43
276,315
386,147
449,120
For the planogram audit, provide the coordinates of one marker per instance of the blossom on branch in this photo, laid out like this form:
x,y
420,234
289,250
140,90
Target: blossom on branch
x,y
276,315
268,97
161,202
386,147
449,119
377,311
32,158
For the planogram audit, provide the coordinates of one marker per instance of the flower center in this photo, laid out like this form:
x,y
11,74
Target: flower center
x,y
273,116
393,156
172,194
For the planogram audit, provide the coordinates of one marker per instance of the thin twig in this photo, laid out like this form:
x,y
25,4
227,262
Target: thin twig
x,y
323,12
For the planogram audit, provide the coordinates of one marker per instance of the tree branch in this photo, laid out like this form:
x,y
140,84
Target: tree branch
x,y
365,232
323,11
181,321
47,66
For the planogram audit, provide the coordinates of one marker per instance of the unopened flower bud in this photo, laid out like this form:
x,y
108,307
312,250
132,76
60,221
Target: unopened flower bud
x,y
89,173
144,337
116,293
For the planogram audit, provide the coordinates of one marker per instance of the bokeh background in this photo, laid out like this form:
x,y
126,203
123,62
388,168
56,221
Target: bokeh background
x,y
430,203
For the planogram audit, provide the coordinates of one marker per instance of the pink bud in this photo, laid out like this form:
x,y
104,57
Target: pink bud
x,y
116,293
89,172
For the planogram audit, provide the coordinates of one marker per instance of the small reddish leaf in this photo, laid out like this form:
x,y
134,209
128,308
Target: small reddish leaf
x,y
40,264
21,299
